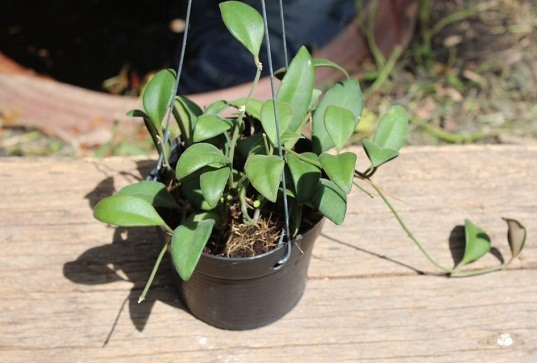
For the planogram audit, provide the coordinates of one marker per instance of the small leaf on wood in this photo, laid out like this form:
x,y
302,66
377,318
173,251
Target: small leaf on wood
x,y
188,241
477,243
152,192
245,24
516,236
265,174
127,211
340,169
197,156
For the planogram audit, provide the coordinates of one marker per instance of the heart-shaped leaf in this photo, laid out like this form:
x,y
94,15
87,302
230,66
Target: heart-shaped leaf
x,y
152,192
197,156
127,211
245,24
265,174
346,95
330,200
209,126
339,123
297,86
268,119
516,236
305,175
392,129
340,169
192,190
188,241
477,243
157,95
212,183
321,62
377,155
253,108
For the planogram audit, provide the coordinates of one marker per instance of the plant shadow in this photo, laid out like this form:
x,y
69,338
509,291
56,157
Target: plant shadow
x,y
129,257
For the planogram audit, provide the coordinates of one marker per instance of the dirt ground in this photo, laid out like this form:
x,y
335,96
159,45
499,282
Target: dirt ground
x,y
469,76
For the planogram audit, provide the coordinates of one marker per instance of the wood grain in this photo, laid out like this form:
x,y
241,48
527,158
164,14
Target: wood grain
x,y
70,283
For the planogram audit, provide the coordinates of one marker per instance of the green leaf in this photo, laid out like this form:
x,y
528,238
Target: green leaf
x,y
186,113
253,108
305,175
285,114
158,94
152,192
321,62
188,241
198,156
127,211
376,155
251,145
392,129
216,108
340,169
477,243
213,182
154,132
346,95
339,123
330,201
209,126
265,174
516,236
245,24
192,190
389,137
297,87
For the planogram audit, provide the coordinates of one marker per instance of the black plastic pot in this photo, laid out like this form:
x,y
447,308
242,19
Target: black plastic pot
x,y
247,293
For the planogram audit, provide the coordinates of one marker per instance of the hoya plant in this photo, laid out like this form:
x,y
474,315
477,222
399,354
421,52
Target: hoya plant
x,y
234,166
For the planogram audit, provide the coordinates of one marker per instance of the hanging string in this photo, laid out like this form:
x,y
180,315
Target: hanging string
x,y
166,135
280,151
284,36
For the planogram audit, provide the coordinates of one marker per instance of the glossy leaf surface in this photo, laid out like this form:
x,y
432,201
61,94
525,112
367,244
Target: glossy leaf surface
x,y
297,87
188,241
198,156
305,175
268,119
265,174
340,124
345,95
330,200
153,192
127,211
158,94
477,243
245,24
340,169
209,126
212,183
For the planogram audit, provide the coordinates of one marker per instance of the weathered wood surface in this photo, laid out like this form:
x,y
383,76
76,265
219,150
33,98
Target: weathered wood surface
x,y
69,283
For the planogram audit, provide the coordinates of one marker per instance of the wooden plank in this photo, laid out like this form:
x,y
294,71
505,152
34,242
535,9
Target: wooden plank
x,y
66,278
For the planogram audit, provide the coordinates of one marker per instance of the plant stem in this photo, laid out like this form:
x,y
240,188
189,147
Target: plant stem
x,y
363,190
386,70
478,272
408,232
153,273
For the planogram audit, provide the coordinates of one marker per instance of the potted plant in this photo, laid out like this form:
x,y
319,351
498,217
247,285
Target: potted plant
x,y
241,194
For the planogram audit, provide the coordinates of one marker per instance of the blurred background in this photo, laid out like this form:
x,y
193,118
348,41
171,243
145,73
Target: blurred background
x,y
468,74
